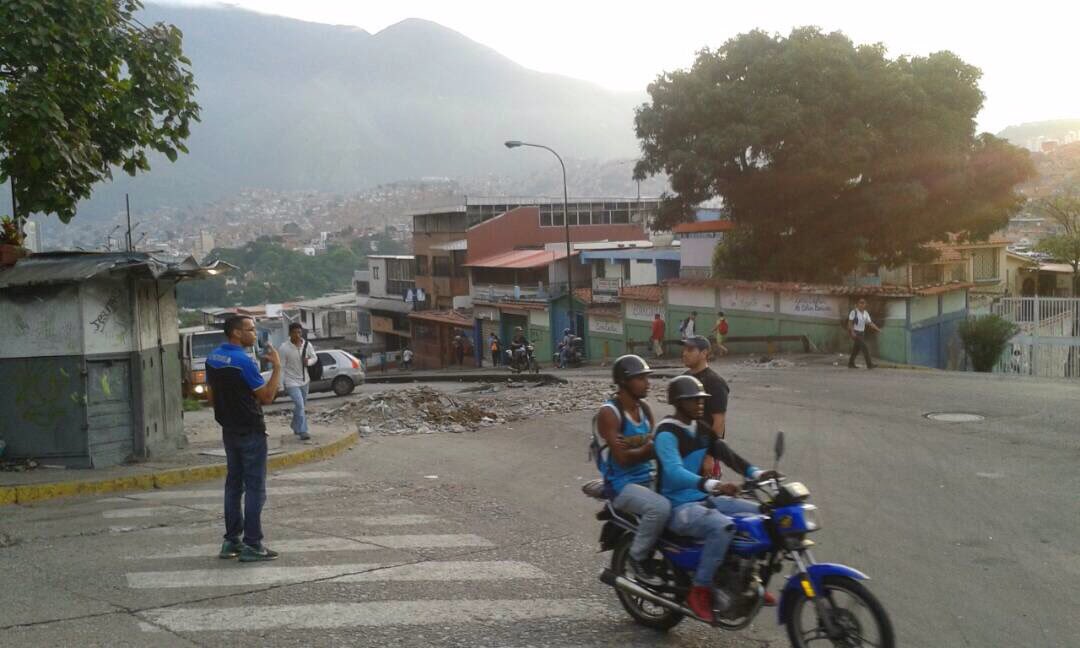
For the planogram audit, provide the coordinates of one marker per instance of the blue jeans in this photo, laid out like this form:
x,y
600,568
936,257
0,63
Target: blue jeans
x,y
652,510
245,457
299,417
711,525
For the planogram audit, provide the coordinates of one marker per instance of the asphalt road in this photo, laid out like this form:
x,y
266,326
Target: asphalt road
x,y
969,531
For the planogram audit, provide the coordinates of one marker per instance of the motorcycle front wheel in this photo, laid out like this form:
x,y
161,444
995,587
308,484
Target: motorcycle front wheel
x,y
855,611
644,612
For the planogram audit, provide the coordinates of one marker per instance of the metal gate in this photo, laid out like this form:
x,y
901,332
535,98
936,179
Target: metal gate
x,y
1048,343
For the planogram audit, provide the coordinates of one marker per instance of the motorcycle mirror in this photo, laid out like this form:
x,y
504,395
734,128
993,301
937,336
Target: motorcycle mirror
x,y
778,449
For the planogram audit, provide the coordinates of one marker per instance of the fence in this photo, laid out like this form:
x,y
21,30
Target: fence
x,y
1048,344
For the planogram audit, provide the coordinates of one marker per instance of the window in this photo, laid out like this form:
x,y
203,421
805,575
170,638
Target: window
x,y
363,323
985,265
374,272
326,359
440,266
421,263
926,274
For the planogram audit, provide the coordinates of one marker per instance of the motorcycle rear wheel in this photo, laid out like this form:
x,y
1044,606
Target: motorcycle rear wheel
x,y
645,613
854,627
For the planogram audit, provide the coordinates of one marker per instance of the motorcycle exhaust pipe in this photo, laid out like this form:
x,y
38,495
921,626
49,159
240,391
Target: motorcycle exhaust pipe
x,y
608,577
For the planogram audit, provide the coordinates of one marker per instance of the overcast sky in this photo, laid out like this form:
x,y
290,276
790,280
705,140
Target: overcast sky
x,y
1028,51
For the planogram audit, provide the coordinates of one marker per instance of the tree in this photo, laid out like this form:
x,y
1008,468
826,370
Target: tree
x,y
84,87
1066,248
824,152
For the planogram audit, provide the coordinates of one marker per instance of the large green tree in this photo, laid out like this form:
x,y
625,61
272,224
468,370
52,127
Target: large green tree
x,y
85,87
1064,209
825,153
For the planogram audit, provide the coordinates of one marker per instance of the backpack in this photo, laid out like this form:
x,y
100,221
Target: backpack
x,y
599,452
314,371
723,327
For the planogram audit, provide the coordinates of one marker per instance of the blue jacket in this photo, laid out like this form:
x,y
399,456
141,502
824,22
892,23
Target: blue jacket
x,y
680,451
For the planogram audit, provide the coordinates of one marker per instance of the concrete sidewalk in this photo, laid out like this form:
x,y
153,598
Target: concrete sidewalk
x,y
202,459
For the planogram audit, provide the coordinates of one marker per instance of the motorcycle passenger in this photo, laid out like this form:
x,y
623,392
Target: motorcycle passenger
x,y
625,424
565,347
700,506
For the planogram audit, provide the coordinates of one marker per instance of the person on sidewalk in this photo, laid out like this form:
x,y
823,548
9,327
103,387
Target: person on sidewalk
x,y
296,356
695,357
700,506
493,345
689,326
406,359
459,349
624,455
657,336
238,393
858,320
720,331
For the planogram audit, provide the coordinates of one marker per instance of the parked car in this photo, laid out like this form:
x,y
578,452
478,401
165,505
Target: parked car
x,y
342,372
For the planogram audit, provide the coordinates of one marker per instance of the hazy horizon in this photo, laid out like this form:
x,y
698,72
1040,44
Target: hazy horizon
x,y
624,46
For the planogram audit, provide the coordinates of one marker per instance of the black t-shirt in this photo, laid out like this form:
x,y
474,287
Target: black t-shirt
x,y
233,378
718,390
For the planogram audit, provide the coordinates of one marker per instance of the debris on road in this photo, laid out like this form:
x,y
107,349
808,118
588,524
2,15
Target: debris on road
x,y
766,362
425,410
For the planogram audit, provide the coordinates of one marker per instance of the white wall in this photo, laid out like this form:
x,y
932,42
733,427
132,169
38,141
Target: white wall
x,y
378,283
642,311
106,316
45,323
806,305
702,297
642,274
697,251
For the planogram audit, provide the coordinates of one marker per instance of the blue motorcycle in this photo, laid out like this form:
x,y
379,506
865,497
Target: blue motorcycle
x,y
821,604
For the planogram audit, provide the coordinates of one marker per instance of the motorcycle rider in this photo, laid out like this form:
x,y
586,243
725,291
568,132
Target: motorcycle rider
x,y
518,346
700,506
625,424
565,346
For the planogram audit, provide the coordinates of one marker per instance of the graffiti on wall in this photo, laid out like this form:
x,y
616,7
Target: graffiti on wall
x,y
823,306
642,311
39,395
746,300
610,326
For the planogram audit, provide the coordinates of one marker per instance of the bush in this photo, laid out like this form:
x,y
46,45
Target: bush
x,y
984,339
192,404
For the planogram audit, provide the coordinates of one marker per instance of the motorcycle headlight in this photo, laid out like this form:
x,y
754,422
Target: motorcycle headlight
x,y
810,518
200,389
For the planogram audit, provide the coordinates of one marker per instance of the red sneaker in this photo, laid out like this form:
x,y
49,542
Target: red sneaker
x,y
700,602
769,600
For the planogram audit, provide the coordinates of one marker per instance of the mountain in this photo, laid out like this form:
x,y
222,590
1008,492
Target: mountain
x,y
293,105
1032,134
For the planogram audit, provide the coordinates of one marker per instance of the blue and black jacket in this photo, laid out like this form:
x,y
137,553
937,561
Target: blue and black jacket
x,y
680,451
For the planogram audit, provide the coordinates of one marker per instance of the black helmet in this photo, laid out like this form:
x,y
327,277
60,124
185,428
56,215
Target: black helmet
x,y
627,367
684,387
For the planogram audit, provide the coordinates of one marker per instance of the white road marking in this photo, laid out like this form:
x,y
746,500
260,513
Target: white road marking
x,y
403,519
247,575
323,474
381,613
151,511
291,546
219,493
427,541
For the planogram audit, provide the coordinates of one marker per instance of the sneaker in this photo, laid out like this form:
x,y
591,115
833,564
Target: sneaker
x,y
700,602
769,600
644,570
256,554
230,549
305,437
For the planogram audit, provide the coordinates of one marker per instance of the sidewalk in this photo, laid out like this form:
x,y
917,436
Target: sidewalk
x,y
203,459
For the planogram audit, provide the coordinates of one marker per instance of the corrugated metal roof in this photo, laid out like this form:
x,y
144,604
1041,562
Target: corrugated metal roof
x,y
704,226
519,259
329,301
380,303
73,267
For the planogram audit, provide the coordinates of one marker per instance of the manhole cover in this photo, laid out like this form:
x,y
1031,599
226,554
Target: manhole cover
x,y
954,417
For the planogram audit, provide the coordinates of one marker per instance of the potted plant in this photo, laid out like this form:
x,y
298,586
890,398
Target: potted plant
x,y
11,249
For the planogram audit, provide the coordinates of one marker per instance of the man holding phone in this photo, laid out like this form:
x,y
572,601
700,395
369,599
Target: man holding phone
x,y
238,393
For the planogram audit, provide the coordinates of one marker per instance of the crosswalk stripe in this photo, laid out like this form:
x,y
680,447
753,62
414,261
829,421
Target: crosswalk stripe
x,y
373,614
321,474
246,575
219,493
151,511
427,541
304,545
401,519
202,528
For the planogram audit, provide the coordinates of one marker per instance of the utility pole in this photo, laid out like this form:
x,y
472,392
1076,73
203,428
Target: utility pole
x,y
127,204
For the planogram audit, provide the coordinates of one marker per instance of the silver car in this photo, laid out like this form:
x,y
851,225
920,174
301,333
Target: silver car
x,y
342,372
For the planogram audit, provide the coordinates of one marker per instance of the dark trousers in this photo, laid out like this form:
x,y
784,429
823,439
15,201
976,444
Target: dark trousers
x,y
245,457
859,343
494,358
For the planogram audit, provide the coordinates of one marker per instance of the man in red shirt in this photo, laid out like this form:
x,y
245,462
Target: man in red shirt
x,y
657,337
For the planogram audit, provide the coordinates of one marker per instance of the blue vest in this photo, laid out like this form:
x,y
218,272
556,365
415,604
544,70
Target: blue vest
x,y
635,434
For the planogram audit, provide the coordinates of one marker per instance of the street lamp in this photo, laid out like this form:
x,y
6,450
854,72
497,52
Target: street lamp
x,y
510,144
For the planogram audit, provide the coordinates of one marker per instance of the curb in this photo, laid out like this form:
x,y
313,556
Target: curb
x,y
161,479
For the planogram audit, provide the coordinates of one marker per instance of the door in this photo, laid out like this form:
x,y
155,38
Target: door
x,y
109,418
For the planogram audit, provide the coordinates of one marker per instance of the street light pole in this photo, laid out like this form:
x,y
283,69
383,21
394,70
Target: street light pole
x,y
566,224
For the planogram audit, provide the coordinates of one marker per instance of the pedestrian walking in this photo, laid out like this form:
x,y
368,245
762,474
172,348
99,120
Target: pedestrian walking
x,y
657,336
297,355
493,345
459,349
406,359
238,393
720,331
687,330
858,320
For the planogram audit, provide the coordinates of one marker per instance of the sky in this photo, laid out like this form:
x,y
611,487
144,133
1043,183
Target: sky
x,y
1028,51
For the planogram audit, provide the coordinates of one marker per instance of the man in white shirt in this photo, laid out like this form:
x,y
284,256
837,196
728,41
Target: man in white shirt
x,y
296,356
689,328
858,320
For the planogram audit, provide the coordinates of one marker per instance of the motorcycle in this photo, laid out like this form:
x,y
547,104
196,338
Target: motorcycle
x,y
820,604
522,359
575,357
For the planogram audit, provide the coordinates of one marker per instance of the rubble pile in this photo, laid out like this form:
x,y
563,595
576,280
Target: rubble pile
x,y
423,410
767,362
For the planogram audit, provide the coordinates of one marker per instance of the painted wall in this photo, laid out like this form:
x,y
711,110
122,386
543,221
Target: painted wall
x,y
642,274
521,227
606,337
637,323
697,250
43,403
40,322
